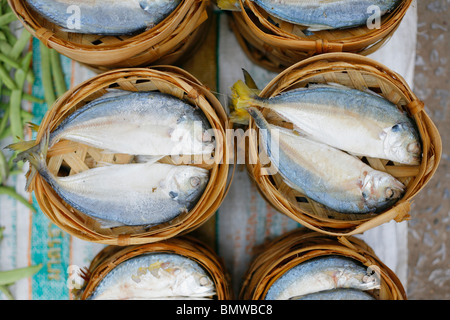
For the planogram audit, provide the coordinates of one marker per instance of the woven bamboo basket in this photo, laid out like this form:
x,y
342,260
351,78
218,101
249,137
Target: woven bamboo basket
x,y
186,246
357,72
275,44
170,42
300,245
67,157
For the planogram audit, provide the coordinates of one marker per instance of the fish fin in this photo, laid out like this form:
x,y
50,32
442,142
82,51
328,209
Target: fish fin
x,y
240,116
367,90
33,126
257,115
231,5
242,98
35,154
249,80
383,133
318,27
327,85
21,145
147,158
108,224
113,93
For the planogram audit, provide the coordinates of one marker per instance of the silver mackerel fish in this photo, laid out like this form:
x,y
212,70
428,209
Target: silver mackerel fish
x,y
138,123
320,14
359,122
327,175
105,17
322,274
156,276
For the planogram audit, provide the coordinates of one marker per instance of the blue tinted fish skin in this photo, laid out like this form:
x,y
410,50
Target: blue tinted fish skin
x,y
112,17
328,15
336,294
320,274
127,205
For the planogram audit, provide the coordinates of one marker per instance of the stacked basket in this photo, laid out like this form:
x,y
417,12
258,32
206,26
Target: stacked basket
x,y
299,246
276,44
170,42
73,157
185,246
357,72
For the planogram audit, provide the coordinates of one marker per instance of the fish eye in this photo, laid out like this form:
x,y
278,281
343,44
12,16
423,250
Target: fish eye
x,y
389,193
206,136
413,147
195,181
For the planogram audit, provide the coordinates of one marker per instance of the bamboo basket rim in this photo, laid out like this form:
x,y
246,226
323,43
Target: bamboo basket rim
x,y
146,47
300,245
49,37
432,145
281,38
169,77
187,246
275,47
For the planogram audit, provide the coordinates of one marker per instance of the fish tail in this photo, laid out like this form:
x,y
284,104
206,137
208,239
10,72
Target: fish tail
x,y
249,80
33,126
22,145
35,154
232,5
242,98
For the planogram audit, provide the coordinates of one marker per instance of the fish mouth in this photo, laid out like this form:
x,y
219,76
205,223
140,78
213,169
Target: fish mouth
x,y
378,201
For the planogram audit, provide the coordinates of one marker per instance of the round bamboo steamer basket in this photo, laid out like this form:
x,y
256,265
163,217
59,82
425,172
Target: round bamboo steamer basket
x,y
300,245
172,41
357,72
111,256
275,44
67,157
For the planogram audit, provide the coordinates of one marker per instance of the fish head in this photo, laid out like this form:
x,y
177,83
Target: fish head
x,y
352,278
381,190
188,185
194,133
194,283
402,144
